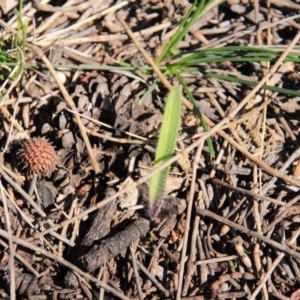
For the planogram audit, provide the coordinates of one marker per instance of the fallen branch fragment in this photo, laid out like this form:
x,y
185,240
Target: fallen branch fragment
x,y
115,245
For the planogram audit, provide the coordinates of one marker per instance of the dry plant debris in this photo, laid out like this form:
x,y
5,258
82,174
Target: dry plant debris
x,y
229,226
38,156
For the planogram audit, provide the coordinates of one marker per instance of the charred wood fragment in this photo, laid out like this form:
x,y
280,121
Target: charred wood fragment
x,y
111,247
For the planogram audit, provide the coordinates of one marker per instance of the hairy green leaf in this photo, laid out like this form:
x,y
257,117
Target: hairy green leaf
x,y
166,143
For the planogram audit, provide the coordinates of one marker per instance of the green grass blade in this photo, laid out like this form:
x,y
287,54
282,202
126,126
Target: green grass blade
x,y
149,91
166,144
191,16
198,112
166,49
233,54
253,83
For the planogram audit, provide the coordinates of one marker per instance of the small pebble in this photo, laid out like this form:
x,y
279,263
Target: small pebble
x,y
62,77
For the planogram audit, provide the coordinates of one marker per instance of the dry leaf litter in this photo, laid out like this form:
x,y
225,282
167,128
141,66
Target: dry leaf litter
x,y
102,140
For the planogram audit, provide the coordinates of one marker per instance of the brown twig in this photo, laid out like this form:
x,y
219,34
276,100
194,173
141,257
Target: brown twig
x,y
216,260
153,279
22,260
64,9
150,61
72,106
33,204
188,221
229,223
135,271
62,261
11,262
247,193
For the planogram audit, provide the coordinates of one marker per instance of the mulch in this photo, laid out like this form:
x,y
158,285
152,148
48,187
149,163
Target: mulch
x,y
227,227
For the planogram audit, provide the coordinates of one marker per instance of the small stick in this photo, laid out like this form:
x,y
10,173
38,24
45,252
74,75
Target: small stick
x,y
117,140
215,260
23,261
62,261
72,105
151,62
158,284
32,184
104,38
285,124
34,205
135,271
11,262
188,221
107,126
267,276
254,234
247,193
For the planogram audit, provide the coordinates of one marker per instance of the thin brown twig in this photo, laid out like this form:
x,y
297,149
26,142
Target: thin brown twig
x,y
105,38
188,221
22,260
215,260
247,193
135,271
11,261
117,140
150,61
56,34
62,261
153,279
107,126
252,233
33,204
267,275
72,106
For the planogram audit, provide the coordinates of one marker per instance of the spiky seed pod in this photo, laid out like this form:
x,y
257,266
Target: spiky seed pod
x,y
38,156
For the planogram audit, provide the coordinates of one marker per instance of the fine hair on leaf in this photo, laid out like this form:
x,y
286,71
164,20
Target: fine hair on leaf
x,y
166,145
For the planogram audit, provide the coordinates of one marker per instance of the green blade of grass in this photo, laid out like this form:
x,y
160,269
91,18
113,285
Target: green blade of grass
x,y
21,29
233,54
253,83
198,113
166,144
184,26
173,40
149,91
